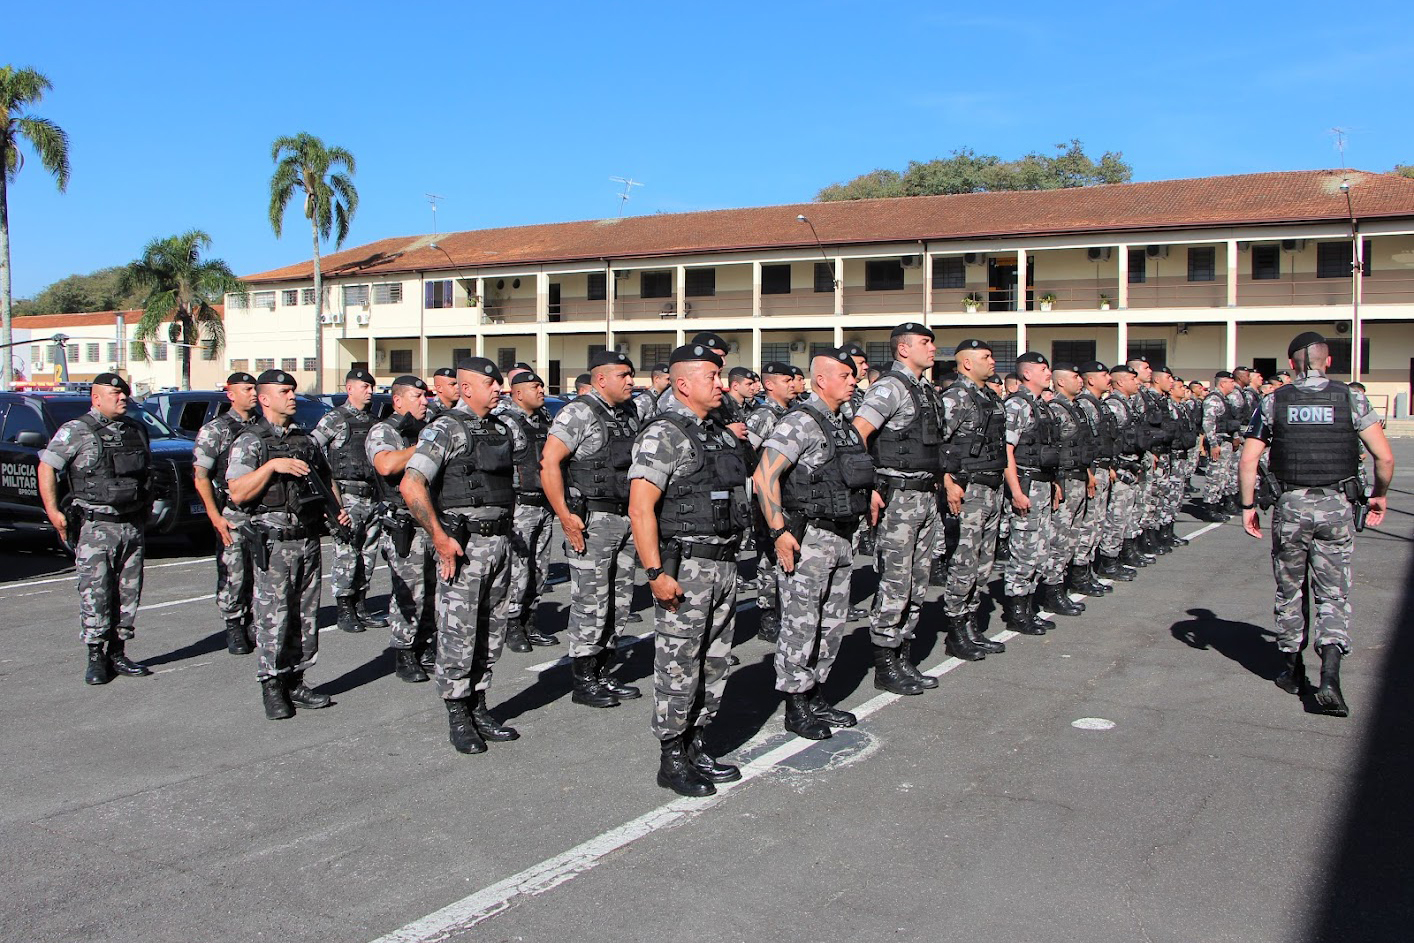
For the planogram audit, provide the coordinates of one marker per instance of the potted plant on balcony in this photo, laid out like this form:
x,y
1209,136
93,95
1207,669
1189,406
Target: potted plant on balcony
x,y
473,301
1104,302
1047,300
972,302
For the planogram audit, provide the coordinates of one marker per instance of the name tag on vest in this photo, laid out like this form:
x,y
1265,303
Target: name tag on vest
x,y
1311,415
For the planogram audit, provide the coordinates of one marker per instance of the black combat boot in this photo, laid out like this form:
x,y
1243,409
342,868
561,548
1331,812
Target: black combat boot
x,y
889,675
427,656
99,671
1230,507
1094,569
829,714
462,730
236,641
533,635
1205,511
1112,569
959,643
1054,598
1157,545
121,663
1328,696
302,695
1079,580
1292,679
605,661
677,774
905,661
938,572
588,689
515,636
1131,556
801,720
706,765
276,699
369,620
769,626
248,623
974,634
407,667
1004,548
1016,616
486,725
1174,539
348,614
1035,616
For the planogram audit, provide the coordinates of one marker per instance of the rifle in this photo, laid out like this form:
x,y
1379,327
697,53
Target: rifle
x,y
317,491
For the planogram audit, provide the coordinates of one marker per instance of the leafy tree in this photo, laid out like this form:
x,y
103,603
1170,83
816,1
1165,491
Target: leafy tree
x,y
966,171
182,290
305,163
97,291
1404,170
20,89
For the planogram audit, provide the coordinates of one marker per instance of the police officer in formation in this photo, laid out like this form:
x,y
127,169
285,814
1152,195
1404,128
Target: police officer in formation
x,y
584,473
342,433
779,384
1075,475
105,455
1313,427
814,484
1119,541
210,455
459,486
1105,435
1032,460
1222,421
647,403
264,477
444,385
411,562
687,502
529,422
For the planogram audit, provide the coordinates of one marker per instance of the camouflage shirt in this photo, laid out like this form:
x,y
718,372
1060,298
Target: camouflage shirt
x,y
850,407
798,437
444,439
1262,420
213,441
247,456
382,438
435,407
577,427
959,406
1021,409
332,430
662,450
887,405
761,421
513,416
646,405
76,444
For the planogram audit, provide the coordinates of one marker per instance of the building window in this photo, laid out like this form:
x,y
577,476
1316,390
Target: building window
x,y
459,354
1340,354
824,276
237,299
1156,352
650,354
388,293
655,285
775,279
263,299
438,294
597,286
287,364
1333,259
52,353
1138,260
306,296
309,363
883,275
779,353
949,272
506,358
1202,264
91,352
264,363
112,353
137,350
1004,353
289,298
355,296
72,354
1072,352
242,365
880,353
159,352
34,352
1266,263
400,361
595,350
700,282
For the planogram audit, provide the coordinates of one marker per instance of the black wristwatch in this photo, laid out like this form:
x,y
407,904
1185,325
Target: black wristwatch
x,y
652,572
776,532
1248,507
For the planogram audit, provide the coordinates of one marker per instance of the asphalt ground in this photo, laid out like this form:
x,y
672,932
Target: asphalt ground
x,y
1211,806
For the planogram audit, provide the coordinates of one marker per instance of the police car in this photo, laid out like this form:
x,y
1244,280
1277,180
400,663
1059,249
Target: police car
x,y
186,412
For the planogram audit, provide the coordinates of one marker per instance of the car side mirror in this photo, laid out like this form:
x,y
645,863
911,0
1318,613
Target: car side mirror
x,y
32,440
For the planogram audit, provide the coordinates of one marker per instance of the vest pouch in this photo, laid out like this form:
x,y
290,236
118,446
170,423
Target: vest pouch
x,y
123,491
722,513
494,458
128,463
621,454
1050,456
856,469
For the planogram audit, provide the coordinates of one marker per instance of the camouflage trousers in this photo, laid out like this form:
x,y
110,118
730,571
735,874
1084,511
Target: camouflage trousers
x,y
1215,485
108,562
814,603
1158,482
1313,543
530,556
1231,473
691,647
471,617
286,607
908,528
1063,538
601,584
1185,463
970,567
234,578
1030,541
1121,517
768,577
411,577
353,565
1092,523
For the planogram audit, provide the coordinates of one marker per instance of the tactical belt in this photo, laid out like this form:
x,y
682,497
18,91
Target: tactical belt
x,y
1104,463
272,532
985,479
718,552
890,483
1072,474
361,489
1036,474
532,499
844,528
608,507
106,517
481,527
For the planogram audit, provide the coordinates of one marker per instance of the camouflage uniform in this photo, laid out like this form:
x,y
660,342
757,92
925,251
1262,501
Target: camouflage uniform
x,y
1122,514
692,644
411,575
759,426
108,555
909,524
471,617
601,578
1092,523
353,565
532,524
1030,532
1157,470
970,567
1064,536
1244,413
1216,484
234,584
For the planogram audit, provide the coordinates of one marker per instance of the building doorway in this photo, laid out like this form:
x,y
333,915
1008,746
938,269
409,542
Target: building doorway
x,y
552,377
1001,283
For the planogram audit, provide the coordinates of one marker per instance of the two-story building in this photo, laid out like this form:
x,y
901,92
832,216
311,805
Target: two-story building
x,y
1200,274
103,341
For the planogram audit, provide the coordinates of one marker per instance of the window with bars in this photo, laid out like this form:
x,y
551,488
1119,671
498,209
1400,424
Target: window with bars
x,y
650,354
1333,260
824,276
1266,263
700,282
34,353
817,348
883,275
880,353
237,300
309,363
159,351
400,361
1004,353
355,295
263,299
438,294
112,352
137,350
775,279
1202,264
289,298
306,296
1156,351
1138,266
1074,352
52,353
388,293
655,285
287,364
264,363
597,286
459,354
91,352
242,365
775,351
949,272
72,353
506,358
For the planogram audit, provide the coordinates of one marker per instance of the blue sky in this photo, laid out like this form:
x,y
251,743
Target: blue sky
x,y
520,113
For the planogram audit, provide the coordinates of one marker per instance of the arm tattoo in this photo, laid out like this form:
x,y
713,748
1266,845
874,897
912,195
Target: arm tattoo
x,y
773,465
420,502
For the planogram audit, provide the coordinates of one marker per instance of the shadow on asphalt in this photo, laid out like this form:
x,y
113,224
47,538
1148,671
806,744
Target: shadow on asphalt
x,y
1249,645
26,555
379,666
215,642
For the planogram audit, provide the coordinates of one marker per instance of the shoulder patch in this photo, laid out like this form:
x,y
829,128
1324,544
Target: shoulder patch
x,y
428,434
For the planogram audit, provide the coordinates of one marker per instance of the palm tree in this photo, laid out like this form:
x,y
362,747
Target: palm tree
x,y
182,291
304,162
19,89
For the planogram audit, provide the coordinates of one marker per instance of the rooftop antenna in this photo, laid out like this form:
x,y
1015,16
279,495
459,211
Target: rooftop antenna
x,y
1340,134
432,198
629,183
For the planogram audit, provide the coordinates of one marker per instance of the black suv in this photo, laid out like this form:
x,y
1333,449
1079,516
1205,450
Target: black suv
x,y
188,411
29,420
379,407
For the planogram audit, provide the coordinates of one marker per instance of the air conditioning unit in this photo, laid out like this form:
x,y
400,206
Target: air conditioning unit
x,y
1341,327
363,317
797,347
1293,245
911,261
332,317
1156,252
622,272
733,347
1098,253
974,258
621,348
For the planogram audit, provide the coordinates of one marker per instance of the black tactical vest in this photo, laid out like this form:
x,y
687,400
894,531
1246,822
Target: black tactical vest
x,y
1190,422
349,462
285,492
838,489
1156,428
1037,447
1104,428
915,448
1314,442
1076,449
603,475
407,429
483,475
1229,420
227,422
709,498
527,457
120,477
979,446
1128,427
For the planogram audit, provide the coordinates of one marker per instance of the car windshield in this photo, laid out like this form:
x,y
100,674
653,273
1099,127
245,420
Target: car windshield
x,y
65,409
308,412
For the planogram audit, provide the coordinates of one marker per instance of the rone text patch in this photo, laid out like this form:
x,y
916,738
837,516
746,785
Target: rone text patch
x,y
1311,415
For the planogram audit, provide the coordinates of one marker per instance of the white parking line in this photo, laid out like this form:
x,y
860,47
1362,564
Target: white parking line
x,y
175,602
66,578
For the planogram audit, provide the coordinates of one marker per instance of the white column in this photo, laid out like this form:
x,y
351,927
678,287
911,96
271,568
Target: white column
x,y
927,289
422,367
756,290
755,346
1232,273
1122,301
1021,280
681,337
1231,345
839,334
681,292
839,285
372,354
542,351
479,340
479,290
1020,336
542,296
1121,341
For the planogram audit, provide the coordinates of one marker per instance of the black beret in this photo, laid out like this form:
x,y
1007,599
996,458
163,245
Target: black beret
x,y
113,380
1164,369
1094,366
521,365
776,368
582,380
278,377
854,350
842,354
911,327
742,373
481,365
408,379
973,344
1224,375
526,376
609,358
1122,368
1241,369
240,376
1303,340
358,373
660,368
994,379
691,353
449,372
708,339
1033,356
796,371
1065,367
